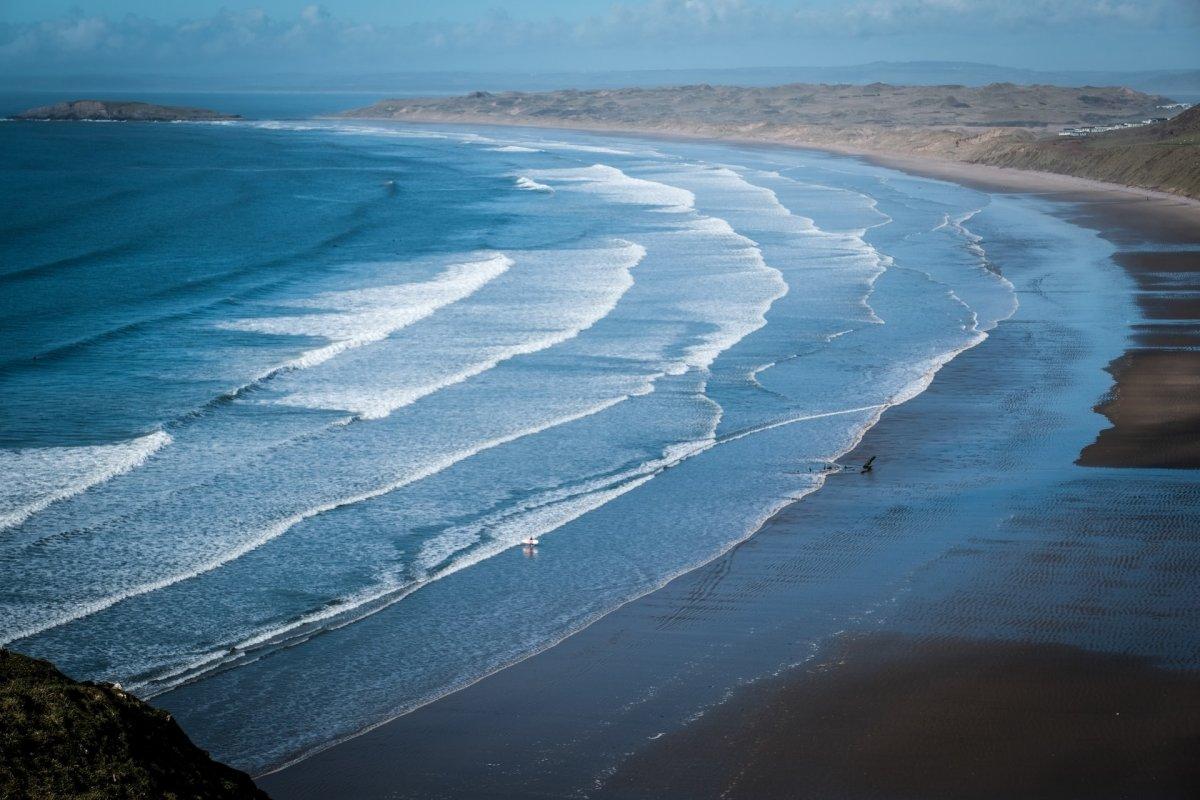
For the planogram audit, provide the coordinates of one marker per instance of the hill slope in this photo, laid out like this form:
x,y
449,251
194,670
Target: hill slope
x,y
999,124
63,739
1164,156
997,104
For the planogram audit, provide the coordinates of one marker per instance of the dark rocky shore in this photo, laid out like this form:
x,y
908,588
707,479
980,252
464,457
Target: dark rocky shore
x,y
62,739
119,111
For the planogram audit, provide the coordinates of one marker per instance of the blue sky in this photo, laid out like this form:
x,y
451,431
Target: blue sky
x,y
272,36
369,11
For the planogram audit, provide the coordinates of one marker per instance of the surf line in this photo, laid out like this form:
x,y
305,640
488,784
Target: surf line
x,y
386,594
455,283
280,527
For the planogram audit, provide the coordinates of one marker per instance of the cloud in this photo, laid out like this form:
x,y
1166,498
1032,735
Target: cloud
x,y
315,38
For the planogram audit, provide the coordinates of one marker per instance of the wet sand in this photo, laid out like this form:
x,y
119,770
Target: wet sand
x,y
892,716
959,623
1154,410
1155,406
932,707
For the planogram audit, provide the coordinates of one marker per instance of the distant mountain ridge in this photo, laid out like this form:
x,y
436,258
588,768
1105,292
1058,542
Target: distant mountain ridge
x,y
913,73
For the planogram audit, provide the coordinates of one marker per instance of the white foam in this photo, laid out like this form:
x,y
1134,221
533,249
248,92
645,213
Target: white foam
x,y
603,275
614,185
584,148
538,516
382,402
348,604
848,247
35,478
513,148
351,129
532,185
864,201
975,289
363,316
739,287
281,526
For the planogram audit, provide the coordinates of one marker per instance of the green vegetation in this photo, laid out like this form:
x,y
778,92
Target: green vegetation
x,y
1164,156
1000,124
63,739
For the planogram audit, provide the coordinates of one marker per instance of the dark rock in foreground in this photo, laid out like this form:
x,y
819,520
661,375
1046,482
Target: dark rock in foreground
x,y
120,111
60,739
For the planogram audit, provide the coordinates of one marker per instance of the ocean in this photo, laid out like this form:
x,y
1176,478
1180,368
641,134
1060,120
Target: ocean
x,y
280,399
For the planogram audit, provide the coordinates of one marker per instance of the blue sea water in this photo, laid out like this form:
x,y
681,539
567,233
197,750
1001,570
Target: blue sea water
x,y
281,399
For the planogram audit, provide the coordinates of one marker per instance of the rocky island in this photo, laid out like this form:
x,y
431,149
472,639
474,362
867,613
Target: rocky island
x,y
1001,124
119,111
61,738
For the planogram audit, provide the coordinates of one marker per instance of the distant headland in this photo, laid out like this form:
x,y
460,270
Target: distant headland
x,y
1110,134
119,111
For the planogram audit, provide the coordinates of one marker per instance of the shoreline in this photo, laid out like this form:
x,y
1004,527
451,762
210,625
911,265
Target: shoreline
x,y
1126,215
1107,206
966,173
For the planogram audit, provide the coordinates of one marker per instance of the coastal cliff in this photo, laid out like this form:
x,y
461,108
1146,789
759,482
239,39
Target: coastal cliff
x,y
999,125
119,111
61,739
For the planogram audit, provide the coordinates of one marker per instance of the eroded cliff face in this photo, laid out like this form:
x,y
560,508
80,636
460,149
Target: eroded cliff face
x,y
62,739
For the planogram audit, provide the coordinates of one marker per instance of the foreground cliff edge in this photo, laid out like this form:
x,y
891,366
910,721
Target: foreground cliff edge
x,y
61,738
119,111
1000,125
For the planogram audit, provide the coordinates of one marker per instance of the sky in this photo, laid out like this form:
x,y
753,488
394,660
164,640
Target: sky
x,y
197,37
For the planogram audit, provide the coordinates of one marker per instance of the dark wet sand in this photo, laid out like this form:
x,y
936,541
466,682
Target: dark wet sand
x,y
920,714
1155,405
890,716
1154,410
964,622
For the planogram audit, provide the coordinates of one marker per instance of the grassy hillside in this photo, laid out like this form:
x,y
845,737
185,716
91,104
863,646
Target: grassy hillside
x,y
1000,124
1164,156
994,105
62,739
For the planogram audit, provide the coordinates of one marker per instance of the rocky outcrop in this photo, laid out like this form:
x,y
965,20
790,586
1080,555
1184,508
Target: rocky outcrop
x,y
119,111
64,739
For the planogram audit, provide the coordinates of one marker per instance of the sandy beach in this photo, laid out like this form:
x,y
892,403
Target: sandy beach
x,y
603,400
1022,570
